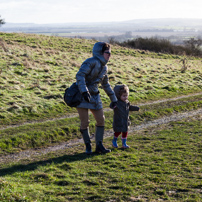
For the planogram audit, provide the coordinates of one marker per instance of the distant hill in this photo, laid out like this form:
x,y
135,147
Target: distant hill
x,y
136,23
172,22
165,27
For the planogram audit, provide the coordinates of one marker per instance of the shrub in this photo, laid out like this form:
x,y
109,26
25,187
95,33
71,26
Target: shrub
x,y
191,47
194,45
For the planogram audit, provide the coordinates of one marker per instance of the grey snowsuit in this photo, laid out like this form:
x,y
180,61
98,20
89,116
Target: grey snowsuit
x,y
121,119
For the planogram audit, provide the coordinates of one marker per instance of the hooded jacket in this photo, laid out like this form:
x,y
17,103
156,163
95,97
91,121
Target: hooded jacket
x,y
121,119
93,72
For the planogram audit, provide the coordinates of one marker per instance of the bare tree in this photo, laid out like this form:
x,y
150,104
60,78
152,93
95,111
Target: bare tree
x,y
2,21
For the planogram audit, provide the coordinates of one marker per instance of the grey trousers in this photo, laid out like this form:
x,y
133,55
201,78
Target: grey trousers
x,y
84,117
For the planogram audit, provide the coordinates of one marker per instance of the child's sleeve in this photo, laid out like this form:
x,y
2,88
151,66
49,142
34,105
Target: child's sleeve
x,y
133,108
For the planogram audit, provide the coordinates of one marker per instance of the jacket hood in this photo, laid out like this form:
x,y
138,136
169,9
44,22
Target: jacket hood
x,y
117,90
97,52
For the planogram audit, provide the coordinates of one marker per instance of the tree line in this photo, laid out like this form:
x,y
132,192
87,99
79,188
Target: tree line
x,y
191,47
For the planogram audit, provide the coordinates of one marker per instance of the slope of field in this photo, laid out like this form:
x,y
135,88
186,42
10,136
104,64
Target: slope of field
x,y
41,152
36,69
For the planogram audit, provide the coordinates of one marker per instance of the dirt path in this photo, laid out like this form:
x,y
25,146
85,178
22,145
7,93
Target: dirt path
x,y
34,153
106,109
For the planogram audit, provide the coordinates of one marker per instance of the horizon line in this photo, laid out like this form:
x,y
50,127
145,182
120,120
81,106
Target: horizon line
x,y
166,18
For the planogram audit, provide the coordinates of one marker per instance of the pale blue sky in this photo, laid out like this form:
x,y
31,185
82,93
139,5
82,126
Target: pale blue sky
x,y
64,11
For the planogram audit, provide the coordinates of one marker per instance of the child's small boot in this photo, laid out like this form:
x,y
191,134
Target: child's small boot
x,y
114,142
124,145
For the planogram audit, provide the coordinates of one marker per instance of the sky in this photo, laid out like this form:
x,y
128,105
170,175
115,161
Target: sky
x,y
67,11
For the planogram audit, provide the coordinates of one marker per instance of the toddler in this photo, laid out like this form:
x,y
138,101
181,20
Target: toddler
x,y
121,114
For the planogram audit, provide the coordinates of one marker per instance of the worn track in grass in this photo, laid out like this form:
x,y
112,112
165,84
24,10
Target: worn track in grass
x,y
106,109
31,153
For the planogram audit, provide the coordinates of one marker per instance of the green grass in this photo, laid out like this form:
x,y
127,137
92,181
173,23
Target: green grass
x,y
162,164
57,131
36,69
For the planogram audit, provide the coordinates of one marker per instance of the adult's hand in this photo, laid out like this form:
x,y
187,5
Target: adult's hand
x,y
86,96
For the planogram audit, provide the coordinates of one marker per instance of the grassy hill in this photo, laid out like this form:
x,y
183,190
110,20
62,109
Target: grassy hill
x,y
163,162
36,69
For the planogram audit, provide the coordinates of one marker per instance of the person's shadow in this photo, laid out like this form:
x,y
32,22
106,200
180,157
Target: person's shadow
x,y
35,165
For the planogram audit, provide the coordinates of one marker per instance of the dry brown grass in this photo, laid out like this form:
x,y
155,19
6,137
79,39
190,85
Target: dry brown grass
x,y
3,45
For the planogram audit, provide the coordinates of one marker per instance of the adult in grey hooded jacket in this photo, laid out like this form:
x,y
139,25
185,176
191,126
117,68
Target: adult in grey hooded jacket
x,y
93,72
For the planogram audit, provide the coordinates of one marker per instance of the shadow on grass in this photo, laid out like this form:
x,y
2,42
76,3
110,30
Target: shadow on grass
x,y
33,166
